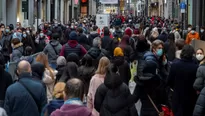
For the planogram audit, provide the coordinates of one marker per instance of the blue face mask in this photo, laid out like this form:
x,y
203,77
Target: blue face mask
x,y
159,52
24,35
41,34
7,30
19,34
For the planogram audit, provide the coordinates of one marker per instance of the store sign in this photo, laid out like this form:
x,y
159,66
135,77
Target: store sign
x,y
109,1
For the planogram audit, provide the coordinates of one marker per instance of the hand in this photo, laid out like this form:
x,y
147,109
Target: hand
x,y
164,58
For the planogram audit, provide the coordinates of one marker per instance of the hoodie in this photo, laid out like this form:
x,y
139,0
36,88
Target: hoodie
x,y
92,36
72,110
52,50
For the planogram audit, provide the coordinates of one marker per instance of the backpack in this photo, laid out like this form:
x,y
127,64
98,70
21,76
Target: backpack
x,y
77,48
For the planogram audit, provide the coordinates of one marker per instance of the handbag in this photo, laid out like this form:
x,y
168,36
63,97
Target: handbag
x,y
165,110
155,107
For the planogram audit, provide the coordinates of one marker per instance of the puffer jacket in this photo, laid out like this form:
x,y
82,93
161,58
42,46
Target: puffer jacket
x,y
17,52
92,36
191,36
199,83
199,109
47,79
112,98
52,50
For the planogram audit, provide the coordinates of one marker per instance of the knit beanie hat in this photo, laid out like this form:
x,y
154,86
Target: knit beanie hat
x,y
58,90
61,61
118,52
73,35
128,32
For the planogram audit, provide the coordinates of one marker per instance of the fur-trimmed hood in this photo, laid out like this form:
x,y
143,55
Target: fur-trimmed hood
x,y
17,45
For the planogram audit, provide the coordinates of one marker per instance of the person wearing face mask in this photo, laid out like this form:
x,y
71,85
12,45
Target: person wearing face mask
x,y
202,33
151,81
192,35
27,41
5,43
40,41
199,83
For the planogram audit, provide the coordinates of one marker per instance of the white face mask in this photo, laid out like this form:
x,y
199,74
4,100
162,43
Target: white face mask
x,y
202,30
199,57
192,32
189,29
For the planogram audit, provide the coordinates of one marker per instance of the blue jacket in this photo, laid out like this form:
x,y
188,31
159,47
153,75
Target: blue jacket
x,y
52,106
18,101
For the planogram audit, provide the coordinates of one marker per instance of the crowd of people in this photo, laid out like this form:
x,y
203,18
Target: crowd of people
x,y
80,71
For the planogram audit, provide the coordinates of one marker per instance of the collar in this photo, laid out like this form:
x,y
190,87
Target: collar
x,y
18,45
74,101
25,75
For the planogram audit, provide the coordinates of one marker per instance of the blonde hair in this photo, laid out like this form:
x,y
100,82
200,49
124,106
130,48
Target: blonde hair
x,y
58,90
43,58
103,65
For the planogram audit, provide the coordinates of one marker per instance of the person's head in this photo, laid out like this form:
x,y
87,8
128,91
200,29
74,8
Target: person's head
x,y
87,61
171,37
73,57
18,24
79,30
193,30
43,58
189,27
15,41
103,65
74,88
73,35
41,34
142,44
187,52
95,28
128,32
61,61
200,54
2,27
7,29
28,51
11,27
97,42
202,29
106,31
118,52
55,36
38,68
157,48
59,90
23,67
180,44
24,34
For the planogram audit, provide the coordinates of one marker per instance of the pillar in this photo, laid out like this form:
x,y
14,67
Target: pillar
x,y
72,4
3,11
48,10
30,12
11,11
56,9
62,10
198,15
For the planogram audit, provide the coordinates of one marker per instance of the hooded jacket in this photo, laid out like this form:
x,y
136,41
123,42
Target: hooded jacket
x,y
92,36
52,50
83,40
17,52
112,98
72,110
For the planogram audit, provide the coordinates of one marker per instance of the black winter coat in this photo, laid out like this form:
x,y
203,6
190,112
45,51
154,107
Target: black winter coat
x,y
203,36
199,109
124,69
181,79
91,37
112,98
83,40
5,82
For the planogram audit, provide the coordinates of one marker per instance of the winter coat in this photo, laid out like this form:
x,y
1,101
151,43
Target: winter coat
x,y
203,36
47,79
106,43
170,50
199,83
5,82
112,98
151,77
95,82
40,44
72,110
72,48
19,102
118,33
191,36
97,53
60,70
52,50
5,43
91,37
17,52
163,37
83,40
85,73
181,79
52,106
28,41
199,109
124,69
70,71
2,112
177,35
